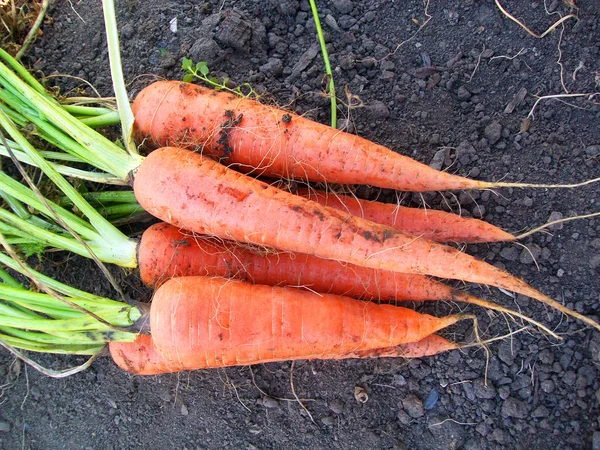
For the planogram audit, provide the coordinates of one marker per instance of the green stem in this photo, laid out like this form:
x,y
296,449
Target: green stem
x,y
123,315
79,110
332,96
45,311
23,213
119,207
105,120
116,71
68,171
22,72
72,349
50,133
103,197
14,116
119,248
57,286
12,225
17,312
35,302
103,150
88,338
55,156
116,211
15,205
22,193
48,325
9,280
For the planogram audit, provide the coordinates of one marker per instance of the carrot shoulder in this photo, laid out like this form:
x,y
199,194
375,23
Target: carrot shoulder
x,y
439,226
273,142
202,322
141,358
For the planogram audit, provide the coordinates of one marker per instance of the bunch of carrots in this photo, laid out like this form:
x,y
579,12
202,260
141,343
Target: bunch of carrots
x,y
182,183
246,272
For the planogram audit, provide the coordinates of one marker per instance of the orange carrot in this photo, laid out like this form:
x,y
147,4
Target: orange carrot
x,y
141,358
439,226
166,252
272,142
192,192
202,322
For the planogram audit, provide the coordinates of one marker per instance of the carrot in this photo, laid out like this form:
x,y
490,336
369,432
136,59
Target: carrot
x,y
141,358
272,142
167,252
193,192
439,226
203,322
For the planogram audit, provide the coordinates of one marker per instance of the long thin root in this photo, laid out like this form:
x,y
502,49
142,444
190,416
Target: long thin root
x,y
466,298
503,184
555,222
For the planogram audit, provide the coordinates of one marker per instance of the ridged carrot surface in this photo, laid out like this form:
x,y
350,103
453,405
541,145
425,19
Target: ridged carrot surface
x,y
203,322
168,252
198,194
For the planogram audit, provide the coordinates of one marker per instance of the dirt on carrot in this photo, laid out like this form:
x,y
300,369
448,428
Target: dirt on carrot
x,y
166,252
264,140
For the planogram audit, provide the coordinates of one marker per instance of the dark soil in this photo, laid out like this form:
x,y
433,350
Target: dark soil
x,y
440,97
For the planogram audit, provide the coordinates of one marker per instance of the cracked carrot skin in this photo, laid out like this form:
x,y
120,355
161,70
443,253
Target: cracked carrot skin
x,y
272,142
204,322
140,357
198,194
439,226
166,252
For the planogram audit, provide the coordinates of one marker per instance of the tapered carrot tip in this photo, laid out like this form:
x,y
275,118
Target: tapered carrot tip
x,y
428,346
439,226
140,357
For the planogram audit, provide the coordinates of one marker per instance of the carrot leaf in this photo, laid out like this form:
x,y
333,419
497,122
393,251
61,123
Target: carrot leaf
x,y
201,71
